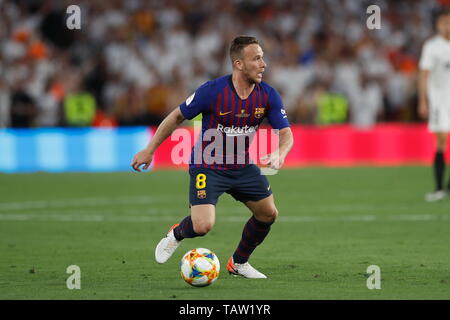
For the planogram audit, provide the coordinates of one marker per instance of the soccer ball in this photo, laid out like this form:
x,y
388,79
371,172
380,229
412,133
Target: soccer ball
x,y
200,267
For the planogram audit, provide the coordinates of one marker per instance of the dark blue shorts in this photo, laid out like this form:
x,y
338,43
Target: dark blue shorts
x,y
244,184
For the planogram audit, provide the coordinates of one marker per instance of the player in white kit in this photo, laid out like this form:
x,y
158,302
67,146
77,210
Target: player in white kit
x,y
434,97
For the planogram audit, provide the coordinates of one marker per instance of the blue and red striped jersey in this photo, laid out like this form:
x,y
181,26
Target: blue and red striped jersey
x,y
226,118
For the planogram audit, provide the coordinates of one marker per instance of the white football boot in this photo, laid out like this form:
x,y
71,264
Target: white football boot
x,y
435,196
244,269
167,246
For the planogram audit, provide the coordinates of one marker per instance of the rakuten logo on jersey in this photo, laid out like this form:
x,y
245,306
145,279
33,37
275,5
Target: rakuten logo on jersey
x,y
237,131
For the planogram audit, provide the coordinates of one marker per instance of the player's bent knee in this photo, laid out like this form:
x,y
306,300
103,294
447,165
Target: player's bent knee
x,y
203,228
274,214
269,216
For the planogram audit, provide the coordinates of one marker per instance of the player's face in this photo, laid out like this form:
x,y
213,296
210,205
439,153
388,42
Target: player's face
x,y
253,64
443,26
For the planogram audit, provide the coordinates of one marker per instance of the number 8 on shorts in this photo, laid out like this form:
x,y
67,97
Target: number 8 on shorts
x,y
200,181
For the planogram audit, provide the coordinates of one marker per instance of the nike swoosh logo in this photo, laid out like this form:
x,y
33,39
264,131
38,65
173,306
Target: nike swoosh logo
x,y
268,188
223,113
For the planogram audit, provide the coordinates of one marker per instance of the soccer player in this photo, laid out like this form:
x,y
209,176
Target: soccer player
x,y
434,96
232,106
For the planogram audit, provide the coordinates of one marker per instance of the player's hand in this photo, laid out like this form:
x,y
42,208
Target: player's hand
x,y
423,109
142,158
273,160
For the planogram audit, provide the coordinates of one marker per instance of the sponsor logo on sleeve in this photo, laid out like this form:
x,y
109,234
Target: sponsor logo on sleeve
x,y
189,100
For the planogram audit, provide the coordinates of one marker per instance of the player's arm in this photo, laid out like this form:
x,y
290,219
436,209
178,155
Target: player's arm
x,y
427,62
278,120
165,129
286,140
197,103
423,93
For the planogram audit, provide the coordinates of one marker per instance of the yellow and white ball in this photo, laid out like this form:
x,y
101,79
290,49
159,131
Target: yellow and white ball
x,y
200,267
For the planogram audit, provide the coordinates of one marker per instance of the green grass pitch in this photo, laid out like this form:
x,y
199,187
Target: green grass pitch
x,y
333,224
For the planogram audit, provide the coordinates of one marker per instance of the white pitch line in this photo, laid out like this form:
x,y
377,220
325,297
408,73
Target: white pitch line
x,y
290,219
417,217
143,200
81,202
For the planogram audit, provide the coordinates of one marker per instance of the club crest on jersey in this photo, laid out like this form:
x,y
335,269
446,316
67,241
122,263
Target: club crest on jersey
x,y
201,194
243,114
259,112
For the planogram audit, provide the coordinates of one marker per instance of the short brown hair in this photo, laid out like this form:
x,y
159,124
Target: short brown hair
x,y
238,44
441,13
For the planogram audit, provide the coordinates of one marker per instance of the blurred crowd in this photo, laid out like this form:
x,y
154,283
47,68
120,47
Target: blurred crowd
x,y
134,61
